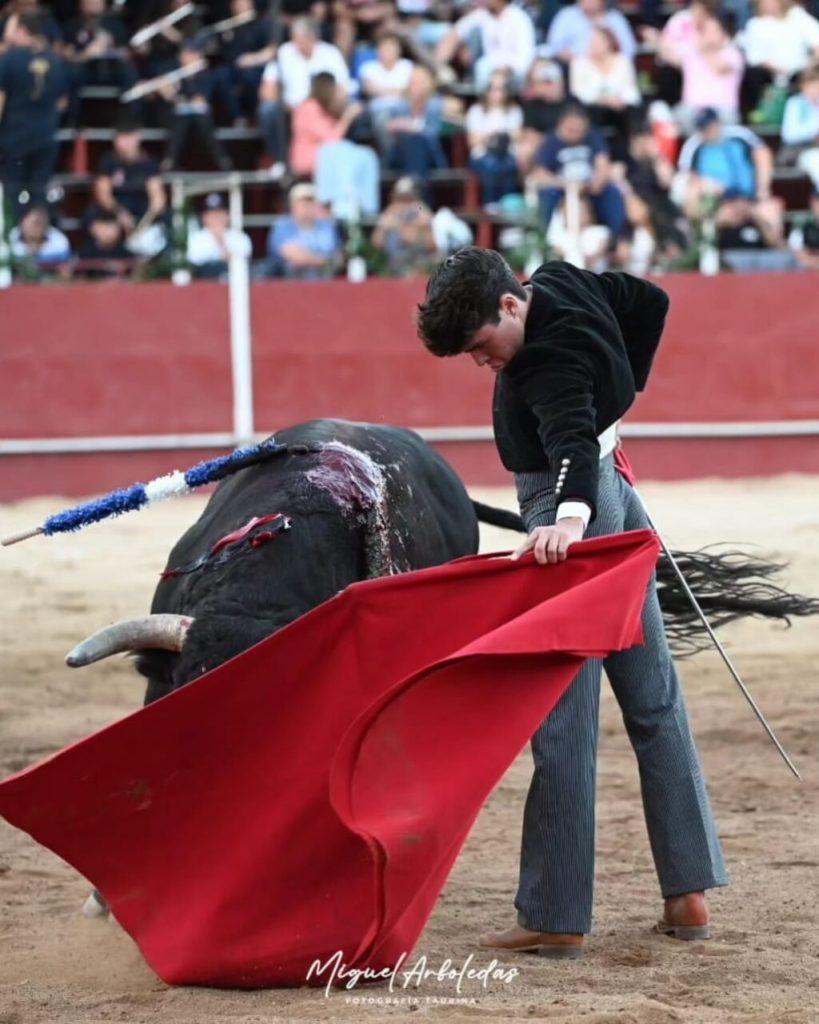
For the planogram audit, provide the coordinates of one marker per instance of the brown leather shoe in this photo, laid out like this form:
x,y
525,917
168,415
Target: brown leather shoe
x,y
685,917
560,945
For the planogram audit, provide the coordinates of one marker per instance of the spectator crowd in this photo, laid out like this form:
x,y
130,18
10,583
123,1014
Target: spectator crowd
x,y
643,138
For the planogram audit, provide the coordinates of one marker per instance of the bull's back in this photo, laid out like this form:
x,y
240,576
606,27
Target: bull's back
x,y
431,516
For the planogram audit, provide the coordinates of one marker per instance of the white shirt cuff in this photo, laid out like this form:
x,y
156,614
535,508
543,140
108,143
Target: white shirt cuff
x,y
572,509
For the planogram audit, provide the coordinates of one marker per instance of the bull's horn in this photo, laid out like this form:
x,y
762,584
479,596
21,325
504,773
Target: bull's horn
x,y
165,632
95,906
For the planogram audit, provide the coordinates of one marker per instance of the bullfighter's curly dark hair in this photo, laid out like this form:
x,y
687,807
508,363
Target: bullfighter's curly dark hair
x,y
463,294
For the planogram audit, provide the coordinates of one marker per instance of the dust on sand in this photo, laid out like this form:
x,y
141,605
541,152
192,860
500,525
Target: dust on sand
x,y
763,966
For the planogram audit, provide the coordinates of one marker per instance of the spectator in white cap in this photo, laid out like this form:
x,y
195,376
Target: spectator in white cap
x,y
306,243
216,243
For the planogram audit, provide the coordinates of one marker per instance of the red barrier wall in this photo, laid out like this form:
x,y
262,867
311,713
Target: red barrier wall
x,y
119,359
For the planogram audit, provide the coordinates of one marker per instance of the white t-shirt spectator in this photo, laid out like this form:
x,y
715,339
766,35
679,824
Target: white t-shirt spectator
x,y
203,246
588,84
294,71
491,122
507,41
373,73
786,43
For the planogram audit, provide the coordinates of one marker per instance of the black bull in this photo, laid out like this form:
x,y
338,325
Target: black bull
x,y
362,500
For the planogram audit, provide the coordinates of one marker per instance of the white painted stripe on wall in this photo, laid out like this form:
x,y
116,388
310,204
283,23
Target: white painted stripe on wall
x,y
164,442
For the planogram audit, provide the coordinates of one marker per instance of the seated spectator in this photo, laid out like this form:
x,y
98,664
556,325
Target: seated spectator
x,y
325,116
286,83
245,50
37,243
305,244
544,97
570,33
800,125
359,21
574,236
346,174
776,47
188,113
415,132
719,157
212,246
128,184
745,239
647,176
32,94
506,37
404,232
102,253
385,81
451,232
638,248
678,35
96,44
300,59
575,156
493,126
804,240
605,82
711,68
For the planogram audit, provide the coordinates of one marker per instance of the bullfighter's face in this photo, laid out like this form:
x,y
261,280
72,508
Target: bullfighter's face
x,y
494,345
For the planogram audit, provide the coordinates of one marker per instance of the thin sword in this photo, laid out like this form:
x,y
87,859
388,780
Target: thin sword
x,y
737,678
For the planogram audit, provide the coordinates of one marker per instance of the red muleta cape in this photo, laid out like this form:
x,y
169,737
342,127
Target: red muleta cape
x,y
311,795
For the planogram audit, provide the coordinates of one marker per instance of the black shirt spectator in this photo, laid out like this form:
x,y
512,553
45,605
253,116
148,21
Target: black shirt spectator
x,y
96,48
188,110
82,33
32,93
251,38
649,175
103,249
128,182
737,227
245,51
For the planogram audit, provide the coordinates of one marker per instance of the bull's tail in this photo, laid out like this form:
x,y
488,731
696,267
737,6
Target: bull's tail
x,y
728,585
501,517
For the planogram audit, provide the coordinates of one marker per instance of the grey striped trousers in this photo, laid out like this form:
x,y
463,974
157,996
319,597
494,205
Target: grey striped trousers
x,y
557,852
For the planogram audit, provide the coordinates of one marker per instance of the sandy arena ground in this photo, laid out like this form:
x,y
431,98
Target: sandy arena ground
x,y
56,966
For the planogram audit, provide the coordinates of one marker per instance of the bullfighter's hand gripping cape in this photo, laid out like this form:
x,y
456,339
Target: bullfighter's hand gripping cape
x,y
311,795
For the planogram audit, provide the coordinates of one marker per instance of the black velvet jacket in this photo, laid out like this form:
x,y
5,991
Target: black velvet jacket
x,y
588,347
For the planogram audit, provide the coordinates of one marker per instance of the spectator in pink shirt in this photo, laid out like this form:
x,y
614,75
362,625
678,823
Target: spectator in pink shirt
x,y
711,69
680,32
324,116
346,174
